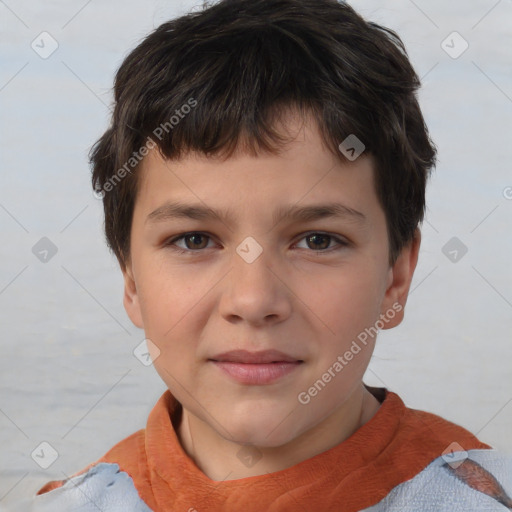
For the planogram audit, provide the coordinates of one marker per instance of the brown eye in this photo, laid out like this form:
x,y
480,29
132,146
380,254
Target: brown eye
x,y
195,239
318,241
189,243
321,242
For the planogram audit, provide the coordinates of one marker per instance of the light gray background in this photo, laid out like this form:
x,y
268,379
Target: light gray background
x,y
67,372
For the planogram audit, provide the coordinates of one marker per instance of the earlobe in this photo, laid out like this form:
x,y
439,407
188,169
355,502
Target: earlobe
x,y
401,274
131,298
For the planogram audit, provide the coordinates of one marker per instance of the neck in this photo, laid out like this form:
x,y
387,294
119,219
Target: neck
x,y
219,459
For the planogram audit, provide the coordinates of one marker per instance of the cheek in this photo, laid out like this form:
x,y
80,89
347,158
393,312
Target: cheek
x,y
344,302
166,299
172,309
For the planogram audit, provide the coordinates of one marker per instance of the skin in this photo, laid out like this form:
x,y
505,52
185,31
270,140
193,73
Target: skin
x,y
309,299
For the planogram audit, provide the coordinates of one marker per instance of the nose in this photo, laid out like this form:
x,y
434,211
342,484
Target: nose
x,y
255,291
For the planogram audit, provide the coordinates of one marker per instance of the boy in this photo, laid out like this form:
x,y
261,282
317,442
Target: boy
x,y
263,181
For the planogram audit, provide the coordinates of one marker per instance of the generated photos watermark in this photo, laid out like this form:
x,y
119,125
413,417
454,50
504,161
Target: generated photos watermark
x,y
137,156
304,397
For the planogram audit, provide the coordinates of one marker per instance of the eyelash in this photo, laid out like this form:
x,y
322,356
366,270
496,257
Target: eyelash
x,y
170,243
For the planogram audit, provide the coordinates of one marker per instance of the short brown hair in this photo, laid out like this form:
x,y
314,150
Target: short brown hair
x,y
237,66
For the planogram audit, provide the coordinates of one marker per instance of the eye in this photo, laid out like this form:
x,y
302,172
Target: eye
x,y
322,241
196,242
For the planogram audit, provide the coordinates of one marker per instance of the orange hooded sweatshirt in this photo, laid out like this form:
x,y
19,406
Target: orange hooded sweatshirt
x,y
393,447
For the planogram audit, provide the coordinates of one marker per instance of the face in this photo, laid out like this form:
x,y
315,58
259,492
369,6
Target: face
x,y
252,279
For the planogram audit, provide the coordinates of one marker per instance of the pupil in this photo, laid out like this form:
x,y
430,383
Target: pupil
x,y
194,238
315,238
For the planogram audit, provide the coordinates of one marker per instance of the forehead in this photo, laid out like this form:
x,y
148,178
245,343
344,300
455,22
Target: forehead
x,y
303,171
303,143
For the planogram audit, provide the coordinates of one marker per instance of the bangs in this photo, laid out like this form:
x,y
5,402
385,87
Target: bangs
x,y
231,93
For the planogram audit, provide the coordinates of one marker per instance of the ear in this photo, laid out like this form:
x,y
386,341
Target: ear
x,y
399,282
131,298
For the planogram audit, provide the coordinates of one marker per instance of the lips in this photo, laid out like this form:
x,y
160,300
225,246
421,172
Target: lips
x,y
262,357
256,368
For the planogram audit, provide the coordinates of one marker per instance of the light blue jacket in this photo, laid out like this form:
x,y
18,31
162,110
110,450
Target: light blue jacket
x,y
435,489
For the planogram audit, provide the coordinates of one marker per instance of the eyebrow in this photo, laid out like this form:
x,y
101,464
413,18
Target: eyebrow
x,y
177,210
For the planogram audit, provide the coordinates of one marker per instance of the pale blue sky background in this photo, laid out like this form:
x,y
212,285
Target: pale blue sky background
x,y
67,372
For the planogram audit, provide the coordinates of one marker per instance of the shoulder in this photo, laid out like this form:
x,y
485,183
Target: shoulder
x,y
414,424
436,430
102,487
128,455
477,480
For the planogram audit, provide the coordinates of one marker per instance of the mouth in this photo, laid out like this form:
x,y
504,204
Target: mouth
x,y
262,357
256,368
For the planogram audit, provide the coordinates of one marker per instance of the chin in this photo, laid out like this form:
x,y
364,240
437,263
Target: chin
x,y
269,430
